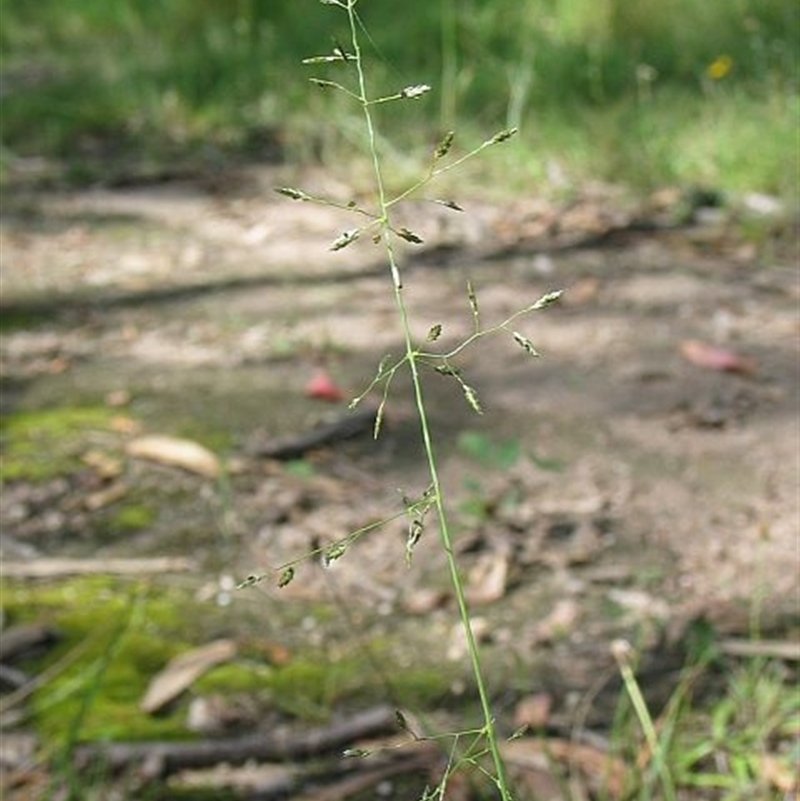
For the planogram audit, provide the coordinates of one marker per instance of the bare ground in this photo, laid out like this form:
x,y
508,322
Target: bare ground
x,y
614,486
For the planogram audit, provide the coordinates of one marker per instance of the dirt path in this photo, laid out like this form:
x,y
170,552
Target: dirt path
x,y
612,483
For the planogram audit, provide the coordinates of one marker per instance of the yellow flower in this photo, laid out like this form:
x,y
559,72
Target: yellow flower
x,y
719,67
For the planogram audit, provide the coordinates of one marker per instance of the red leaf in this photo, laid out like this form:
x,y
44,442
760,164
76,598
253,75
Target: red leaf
x,y
321,386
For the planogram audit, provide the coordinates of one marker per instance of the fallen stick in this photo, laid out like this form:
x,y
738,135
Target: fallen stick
x,y
341,789
771,649
313,782
19,640
11,677
162,757
53,568
292,447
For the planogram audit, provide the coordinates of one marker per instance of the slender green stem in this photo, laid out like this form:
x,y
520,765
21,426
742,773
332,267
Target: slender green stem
x,y
622,653
411,357
447,545
475,335
334,549
435,172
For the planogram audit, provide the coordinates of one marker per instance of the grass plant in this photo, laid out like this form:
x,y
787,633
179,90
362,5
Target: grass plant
x,y
735,742
661,773
378,223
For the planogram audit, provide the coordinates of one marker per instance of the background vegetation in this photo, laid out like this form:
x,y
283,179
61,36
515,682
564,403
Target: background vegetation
x,y
647,93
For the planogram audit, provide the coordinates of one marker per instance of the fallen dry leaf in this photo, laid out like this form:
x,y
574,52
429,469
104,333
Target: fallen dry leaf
x,y
422,600
106,496
778,773
559,622
604,773
182,671
104,464
714,357
533,710
487,579
183,453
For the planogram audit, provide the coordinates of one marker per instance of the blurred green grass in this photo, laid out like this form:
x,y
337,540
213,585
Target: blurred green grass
x,y
661,91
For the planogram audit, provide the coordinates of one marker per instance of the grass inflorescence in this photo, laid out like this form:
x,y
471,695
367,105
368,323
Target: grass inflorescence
x,y
378,223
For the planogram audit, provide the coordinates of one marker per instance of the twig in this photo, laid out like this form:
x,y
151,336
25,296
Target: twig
x,y
423,756
18,640
52,568
162,758
772,649
292,447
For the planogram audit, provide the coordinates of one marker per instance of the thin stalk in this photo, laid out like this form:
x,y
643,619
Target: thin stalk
x,y
435,172
447,546
622,652
411,357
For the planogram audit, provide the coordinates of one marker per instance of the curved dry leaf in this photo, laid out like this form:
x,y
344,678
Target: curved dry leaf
x,y
714,357
560,622
182,671
176,452
605,773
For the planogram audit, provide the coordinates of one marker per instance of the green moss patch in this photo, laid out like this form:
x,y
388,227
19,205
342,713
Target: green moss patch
x,y
234,678
39,445
117,634
132,516
310,686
